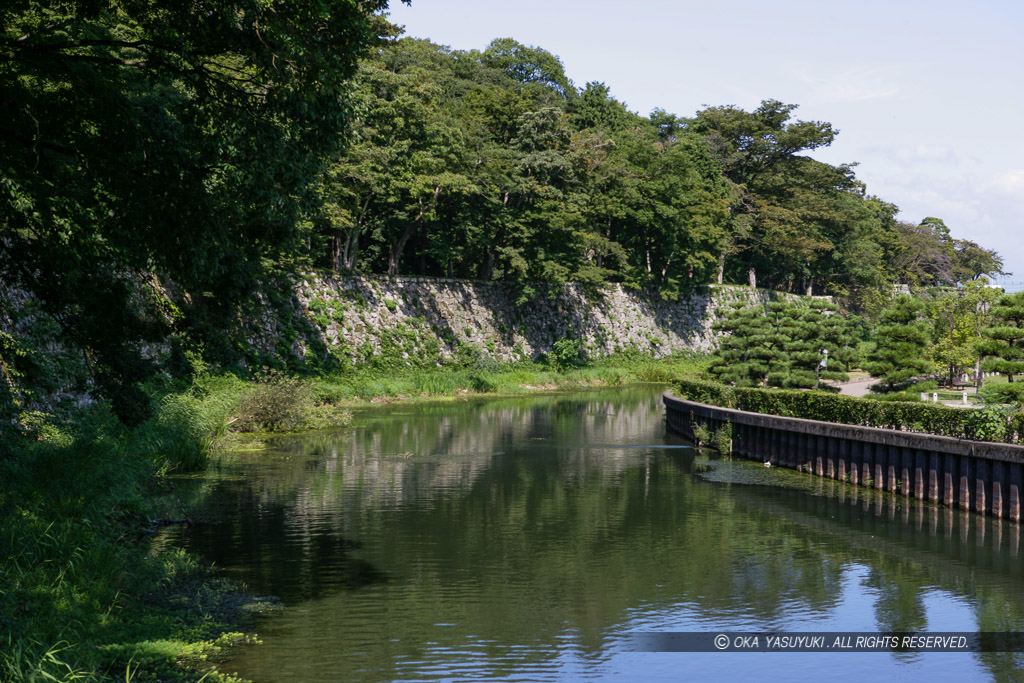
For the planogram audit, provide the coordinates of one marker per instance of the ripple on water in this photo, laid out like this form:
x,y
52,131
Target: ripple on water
x,y
526,539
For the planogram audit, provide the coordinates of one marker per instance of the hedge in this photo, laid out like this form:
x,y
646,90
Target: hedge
x,y
990,424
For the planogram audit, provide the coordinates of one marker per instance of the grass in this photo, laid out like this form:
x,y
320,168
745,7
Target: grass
x,y
84,595
359,386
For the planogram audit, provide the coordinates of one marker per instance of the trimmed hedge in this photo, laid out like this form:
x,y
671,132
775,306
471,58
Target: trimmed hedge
x,y
925,418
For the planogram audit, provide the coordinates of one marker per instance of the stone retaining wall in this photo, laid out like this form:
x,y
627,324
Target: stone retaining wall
x,y
363,315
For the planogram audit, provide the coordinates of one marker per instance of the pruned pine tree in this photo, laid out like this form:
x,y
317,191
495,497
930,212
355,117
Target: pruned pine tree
x,y
751,348
783,329
1003,344
902,342
819,327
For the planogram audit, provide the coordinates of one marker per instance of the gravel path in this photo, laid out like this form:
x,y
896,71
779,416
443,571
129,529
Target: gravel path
x,y
857,387
861,387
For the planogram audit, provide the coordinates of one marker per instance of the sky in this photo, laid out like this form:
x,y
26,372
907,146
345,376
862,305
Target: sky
x,y
928,96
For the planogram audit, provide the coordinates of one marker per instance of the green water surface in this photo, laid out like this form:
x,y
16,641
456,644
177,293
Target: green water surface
x,y
527,538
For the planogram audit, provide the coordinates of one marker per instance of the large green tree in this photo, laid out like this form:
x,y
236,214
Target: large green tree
x,y
163,138
756,151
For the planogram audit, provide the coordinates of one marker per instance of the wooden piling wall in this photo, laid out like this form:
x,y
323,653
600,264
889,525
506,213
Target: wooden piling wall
x,y
971,475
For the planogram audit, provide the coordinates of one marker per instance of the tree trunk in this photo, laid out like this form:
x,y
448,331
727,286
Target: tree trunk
x,y
487,271
351,249
396,249
752,278
721,269
336,250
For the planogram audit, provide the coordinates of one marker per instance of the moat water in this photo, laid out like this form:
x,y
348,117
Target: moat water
x,y
532,538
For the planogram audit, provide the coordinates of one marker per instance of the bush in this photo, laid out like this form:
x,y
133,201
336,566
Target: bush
x,y
926,418
275,403
181,431
722,439
567,353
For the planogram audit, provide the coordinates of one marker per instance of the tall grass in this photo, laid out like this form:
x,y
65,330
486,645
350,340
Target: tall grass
x,y
75,501
483,376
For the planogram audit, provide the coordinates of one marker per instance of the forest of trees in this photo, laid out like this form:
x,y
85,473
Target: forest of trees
x,y
493,165
161,166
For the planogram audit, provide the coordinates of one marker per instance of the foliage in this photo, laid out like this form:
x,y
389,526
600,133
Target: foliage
x,y
269,146
722,439
80,597
926,254
493,165
159,159
567,353
925,418
1003,343
902,341
275,403
959,316
701,434
989,424
781,344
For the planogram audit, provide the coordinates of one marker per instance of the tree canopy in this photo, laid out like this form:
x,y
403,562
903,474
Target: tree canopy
x,y
163,139
162,161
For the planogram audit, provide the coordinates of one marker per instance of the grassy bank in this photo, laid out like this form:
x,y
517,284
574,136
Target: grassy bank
x,y
82,597
83,594
484,377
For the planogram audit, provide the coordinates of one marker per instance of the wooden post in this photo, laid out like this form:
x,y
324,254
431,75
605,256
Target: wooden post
x,y
998,506
856,461
1013,510
934,477
965,486
920,473
981,480
906,469
844,460
949,480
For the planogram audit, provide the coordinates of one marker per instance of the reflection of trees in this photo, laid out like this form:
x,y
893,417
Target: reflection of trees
x,y
520,521
898,604
911,548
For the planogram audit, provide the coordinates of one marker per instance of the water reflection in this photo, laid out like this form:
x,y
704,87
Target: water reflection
x,y
524,538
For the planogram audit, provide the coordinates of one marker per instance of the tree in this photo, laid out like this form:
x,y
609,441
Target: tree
x,y
152,138
959,316
752,343
818,328
596,108
753,149
782,344
926,254
972,261
1003,346
531,66
901,344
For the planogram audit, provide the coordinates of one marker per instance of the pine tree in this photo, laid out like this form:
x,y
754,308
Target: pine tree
x,y
1003,346
819,327
902,342
751,346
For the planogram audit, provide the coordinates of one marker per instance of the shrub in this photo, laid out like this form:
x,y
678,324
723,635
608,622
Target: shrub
x,y
275,403
701,434
567,353
722,439
904,415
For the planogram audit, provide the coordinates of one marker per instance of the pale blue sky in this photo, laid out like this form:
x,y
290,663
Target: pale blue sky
x,y
927,95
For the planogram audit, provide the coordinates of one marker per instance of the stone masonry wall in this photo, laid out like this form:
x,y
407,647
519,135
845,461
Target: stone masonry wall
x,y
362,316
